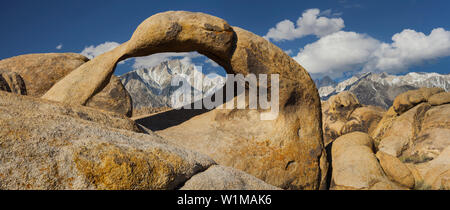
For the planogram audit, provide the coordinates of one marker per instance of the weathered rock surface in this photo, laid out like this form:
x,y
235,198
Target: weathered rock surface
x,y
364,119
432,134
416,130
343,113
42,148
29,104
396,170
343,104
434,174
355,165
225,178
401,130
439,99
12,82
421,126
48,145
114,97
41,71
409,99
284,152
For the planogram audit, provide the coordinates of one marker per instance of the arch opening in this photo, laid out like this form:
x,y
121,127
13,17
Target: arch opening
x,y
152,82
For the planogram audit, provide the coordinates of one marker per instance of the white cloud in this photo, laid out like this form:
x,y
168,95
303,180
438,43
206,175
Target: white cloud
x,y
349,51
330,12
311,23
410,48
153,60
337,53
94,51
59,47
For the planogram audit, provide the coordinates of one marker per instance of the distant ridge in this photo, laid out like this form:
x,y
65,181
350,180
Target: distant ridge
x,y
380,89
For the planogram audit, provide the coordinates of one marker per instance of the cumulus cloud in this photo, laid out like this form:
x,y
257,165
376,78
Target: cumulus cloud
x,y
337,53
311,22
153,60
94,51
349,51
410,48
59,47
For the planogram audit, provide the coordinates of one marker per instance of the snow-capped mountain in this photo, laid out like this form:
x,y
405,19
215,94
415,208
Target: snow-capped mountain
x,y
151,87
381,89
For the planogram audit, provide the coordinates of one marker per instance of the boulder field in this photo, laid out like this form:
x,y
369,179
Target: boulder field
x,y
408,149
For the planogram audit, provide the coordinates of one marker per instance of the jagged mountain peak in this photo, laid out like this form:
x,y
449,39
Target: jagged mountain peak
x,y
151,87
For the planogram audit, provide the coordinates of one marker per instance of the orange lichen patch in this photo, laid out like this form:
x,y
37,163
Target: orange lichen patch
x,y
264,159
19,135
115,168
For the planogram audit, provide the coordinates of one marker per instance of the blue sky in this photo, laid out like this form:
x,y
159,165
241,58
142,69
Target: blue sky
x,y
343,37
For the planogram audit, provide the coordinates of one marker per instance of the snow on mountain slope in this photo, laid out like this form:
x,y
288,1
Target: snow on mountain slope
x,y
381,89
151,87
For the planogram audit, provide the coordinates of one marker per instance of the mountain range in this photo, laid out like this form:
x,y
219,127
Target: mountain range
x,y
151,87
380,89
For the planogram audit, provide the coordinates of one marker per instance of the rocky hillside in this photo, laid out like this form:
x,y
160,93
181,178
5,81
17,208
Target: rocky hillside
x,y
151,87
381,89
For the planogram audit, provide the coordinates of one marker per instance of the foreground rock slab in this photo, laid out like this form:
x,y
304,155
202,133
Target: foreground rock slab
x,y
41,149
225,178
54,146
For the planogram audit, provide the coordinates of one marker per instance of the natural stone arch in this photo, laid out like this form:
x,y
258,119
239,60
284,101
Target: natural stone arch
x,y
285,152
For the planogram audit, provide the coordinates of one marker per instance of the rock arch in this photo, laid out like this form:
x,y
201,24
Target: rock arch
x,y
285,152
